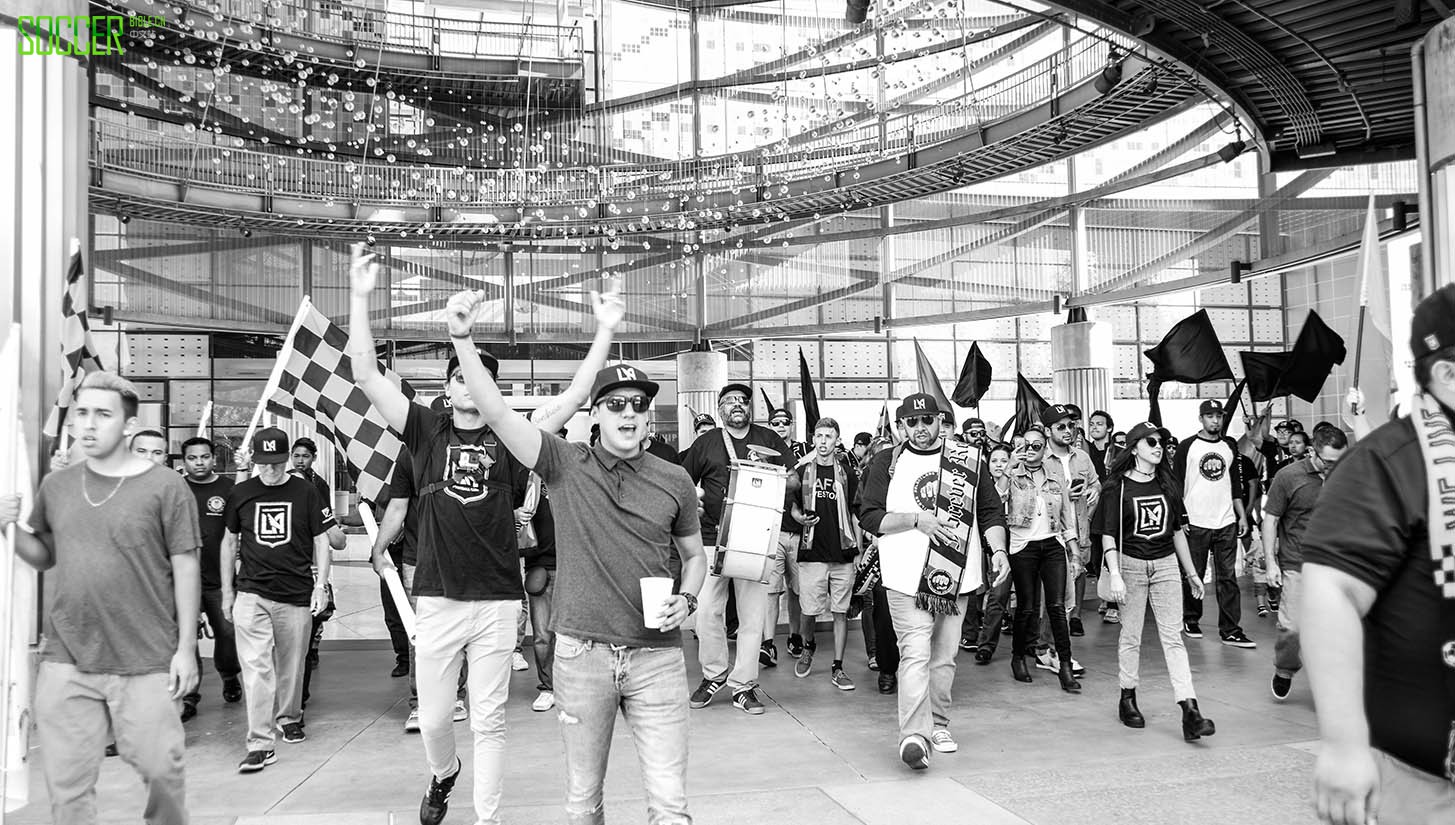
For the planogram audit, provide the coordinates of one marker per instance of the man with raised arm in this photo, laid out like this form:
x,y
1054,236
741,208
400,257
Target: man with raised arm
x,y
622,514
467,583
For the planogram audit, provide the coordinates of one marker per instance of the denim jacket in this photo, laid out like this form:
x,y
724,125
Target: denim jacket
x,y
1020,509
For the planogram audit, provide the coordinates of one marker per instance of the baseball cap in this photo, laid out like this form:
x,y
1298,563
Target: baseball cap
x,y
863,439
701,419
1210,407
490,364
622,375
971,422
746,390
1055,413
1433,327
1147,428
917,404
270,446
1282,425
783,413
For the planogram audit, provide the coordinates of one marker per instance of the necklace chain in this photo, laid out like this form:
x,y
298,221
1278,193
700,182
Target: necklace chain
x,y
109,496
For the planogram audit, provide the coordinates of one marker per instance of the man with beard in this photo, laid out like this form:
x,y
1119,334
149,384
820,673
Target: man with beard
x,y
781,422
1073,467
899,505
1212,490
709,465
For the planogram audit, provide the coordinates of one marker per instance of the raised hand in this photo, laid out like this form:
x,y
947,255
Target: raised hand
x,y
363,270
607,305
461,311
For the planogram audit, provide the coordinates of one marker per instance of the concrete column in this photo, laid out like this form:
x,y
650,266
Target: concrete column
x,y
1081,359
1434,63
699,377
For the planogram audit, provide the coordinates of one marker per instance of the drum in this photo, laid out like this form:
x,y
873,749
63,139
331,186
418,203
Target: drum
x,y
752,513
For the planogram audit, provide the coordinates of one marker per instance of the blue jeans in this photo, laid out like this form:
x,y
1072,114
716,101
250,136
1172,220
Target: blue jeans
x,y
1153,583
1222,543
649,685
928,643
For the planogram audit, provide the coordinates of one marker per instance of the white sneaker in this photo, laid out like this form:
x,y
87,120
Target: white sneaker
x,y
1048,661
517,662
461,712
545,700
411,725
942,741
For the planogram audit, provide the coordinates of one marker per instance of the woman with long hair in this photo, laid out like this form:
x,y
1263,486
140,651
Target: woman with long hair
x,y
998,598
1140,519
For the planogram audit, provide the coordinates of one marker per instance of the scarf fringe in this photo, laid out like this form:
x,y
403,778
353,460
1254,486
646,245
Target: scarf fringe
x,y
938,605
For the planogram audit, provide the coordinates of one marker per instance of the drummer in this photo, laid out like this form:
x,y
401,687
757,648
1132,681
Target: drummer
x,y
707,462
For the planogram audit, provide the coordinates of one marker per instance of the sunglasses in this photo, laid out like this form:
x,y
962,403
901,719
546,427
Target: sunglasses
x,y
1061,426
1152,441
617,403
920,420
1035,445
780,422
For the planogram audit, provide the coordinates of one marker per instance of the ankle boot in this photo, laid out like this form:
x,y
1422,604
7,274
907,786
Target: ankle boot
x,y
1194,725
1018,669
1068,679
1127,709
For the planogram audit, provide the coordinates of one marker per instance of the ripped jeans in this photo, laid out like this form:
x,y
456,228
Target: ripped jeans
x,y
649,685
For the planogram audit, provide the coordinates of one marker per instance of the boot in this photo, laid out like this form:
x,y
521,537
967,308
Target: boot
x,y
1194,725
1127,709
1068,679
1018,669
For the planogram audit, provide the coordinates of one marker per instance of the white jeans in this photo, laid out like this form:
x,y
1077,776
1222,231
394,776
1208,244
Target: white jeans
x,y
447,633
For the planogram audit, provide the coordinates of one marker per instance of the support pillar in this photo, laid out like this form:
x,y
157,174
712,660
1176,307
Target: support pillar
x,y
700,374
1081,355
1434,72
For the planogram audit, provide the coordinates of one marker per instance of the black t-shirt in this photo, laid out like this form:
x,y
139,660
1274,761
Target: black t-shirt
x,y
1254,484
1149,518
1275,458
211,503
276,527
467,487
1098,457
1370,522
324,494
661,449
829,544
401,486
706,461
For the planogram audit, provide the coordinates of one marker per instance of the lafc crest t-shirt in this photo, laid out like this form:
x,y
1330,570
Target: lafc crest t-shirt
x,y
467,486
211,503
276,525
1149,517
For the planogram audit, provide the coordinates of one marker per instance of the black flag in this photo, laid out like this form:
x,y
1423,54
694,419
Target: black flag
x,y
1190,352
1230,407
768,401
810,400
1262,370
974,379
1028,407
1312,358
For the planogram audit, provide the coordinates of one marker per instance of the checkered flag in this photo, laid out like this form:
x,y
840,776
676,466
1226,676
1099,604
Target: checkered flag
x,y
77,345
315,377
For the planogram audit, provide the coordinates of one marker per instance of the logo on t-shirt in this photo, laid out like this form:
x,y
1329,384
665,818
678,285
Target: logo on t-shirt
x,y
467,467
215,505
1212,466
757,452
926,487
1151,514
270,522
823,488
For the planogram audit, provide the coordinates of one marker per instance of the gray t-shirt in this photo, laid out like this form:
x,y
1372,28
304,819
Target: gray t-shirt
x,y
112,606
615,520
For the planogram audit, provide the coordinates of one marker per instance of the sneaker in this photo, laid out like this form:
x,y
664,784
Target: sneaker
x,y
437,798
1273,604
768,654
967,643
1237,639
873,663
1077,629
704,693
888,683
518,662
747,702
401,668
256,761
841,679
545,700
189,710
1076,669
1112,616
112,751
411,725
795,645
805,663
1046,660
1281,686
913,753
293,733
1192,630
461,712
1262,611
1006,628
1101,608
231,690
942,741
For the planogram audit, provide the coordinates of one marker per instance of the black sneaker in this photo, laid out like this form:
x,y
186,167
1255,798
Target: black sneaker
x,y
1076,627
1237,639
189,711
1192,630
795,645
1281,686
888,683
256,761
704,693
437,799
231,690
747,702
912,752
293,733
968,643
401,668
768,654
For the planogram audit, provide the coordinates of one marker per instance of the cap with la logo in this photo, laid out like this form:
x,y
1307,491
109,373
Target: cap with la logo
x,y
920,403
621,375
270,446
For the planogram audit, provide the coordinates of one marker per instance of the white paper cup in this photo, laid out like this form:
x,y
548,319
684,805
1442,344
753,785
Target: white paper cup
x,y
656,590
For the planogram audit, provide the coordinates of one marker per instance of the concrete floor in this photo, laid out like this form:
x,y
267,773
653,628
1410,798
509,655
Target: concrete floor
x,y
1028,753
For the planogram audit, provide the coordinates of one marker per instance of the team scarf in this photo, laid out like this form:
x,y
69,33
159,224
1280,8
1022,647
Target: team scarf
x,y
1437,449
939,583
810,504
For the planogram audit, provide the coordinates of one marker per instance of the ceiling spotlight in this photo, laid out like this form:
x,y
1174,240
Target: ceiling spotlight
x,y
856,10
1232,150
370,241
242,229
124,218
1112,74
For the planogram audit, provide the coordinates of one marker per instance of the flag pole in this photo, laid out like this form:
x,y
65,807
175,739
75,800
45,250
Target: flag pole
x,y
278,365
390,575
204,420
1359,342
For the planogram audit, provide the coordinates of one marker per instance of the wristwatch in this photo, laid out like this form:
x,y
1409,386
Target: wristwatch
x,y
691,602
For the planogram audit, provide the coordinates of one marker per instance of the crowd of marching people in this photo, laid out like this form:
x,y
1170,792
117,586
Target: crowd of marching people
x,y
941,541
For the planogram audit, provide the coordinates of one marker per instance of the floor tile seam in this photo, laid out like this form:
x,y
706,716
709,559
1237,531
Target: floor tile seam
x,y
817,738
329,758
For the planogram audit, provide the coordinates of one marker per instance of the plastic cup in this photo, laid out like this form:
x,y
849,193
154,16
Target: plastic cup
x,y
656,590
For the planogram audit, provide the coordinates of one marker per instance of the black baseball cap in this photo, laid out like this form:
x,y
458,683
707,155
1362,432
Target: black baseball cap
x,y
270,446
1147,428
1433,327
783,413
746,390
863,440
917,404
490,364
701,419
970,422
1210,406
622,375
1055,413
1282,425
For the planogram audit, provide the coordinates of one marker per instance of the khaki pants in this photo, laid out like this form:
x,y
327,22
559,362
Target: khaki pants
x,y
76,713
1409,796
272,643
